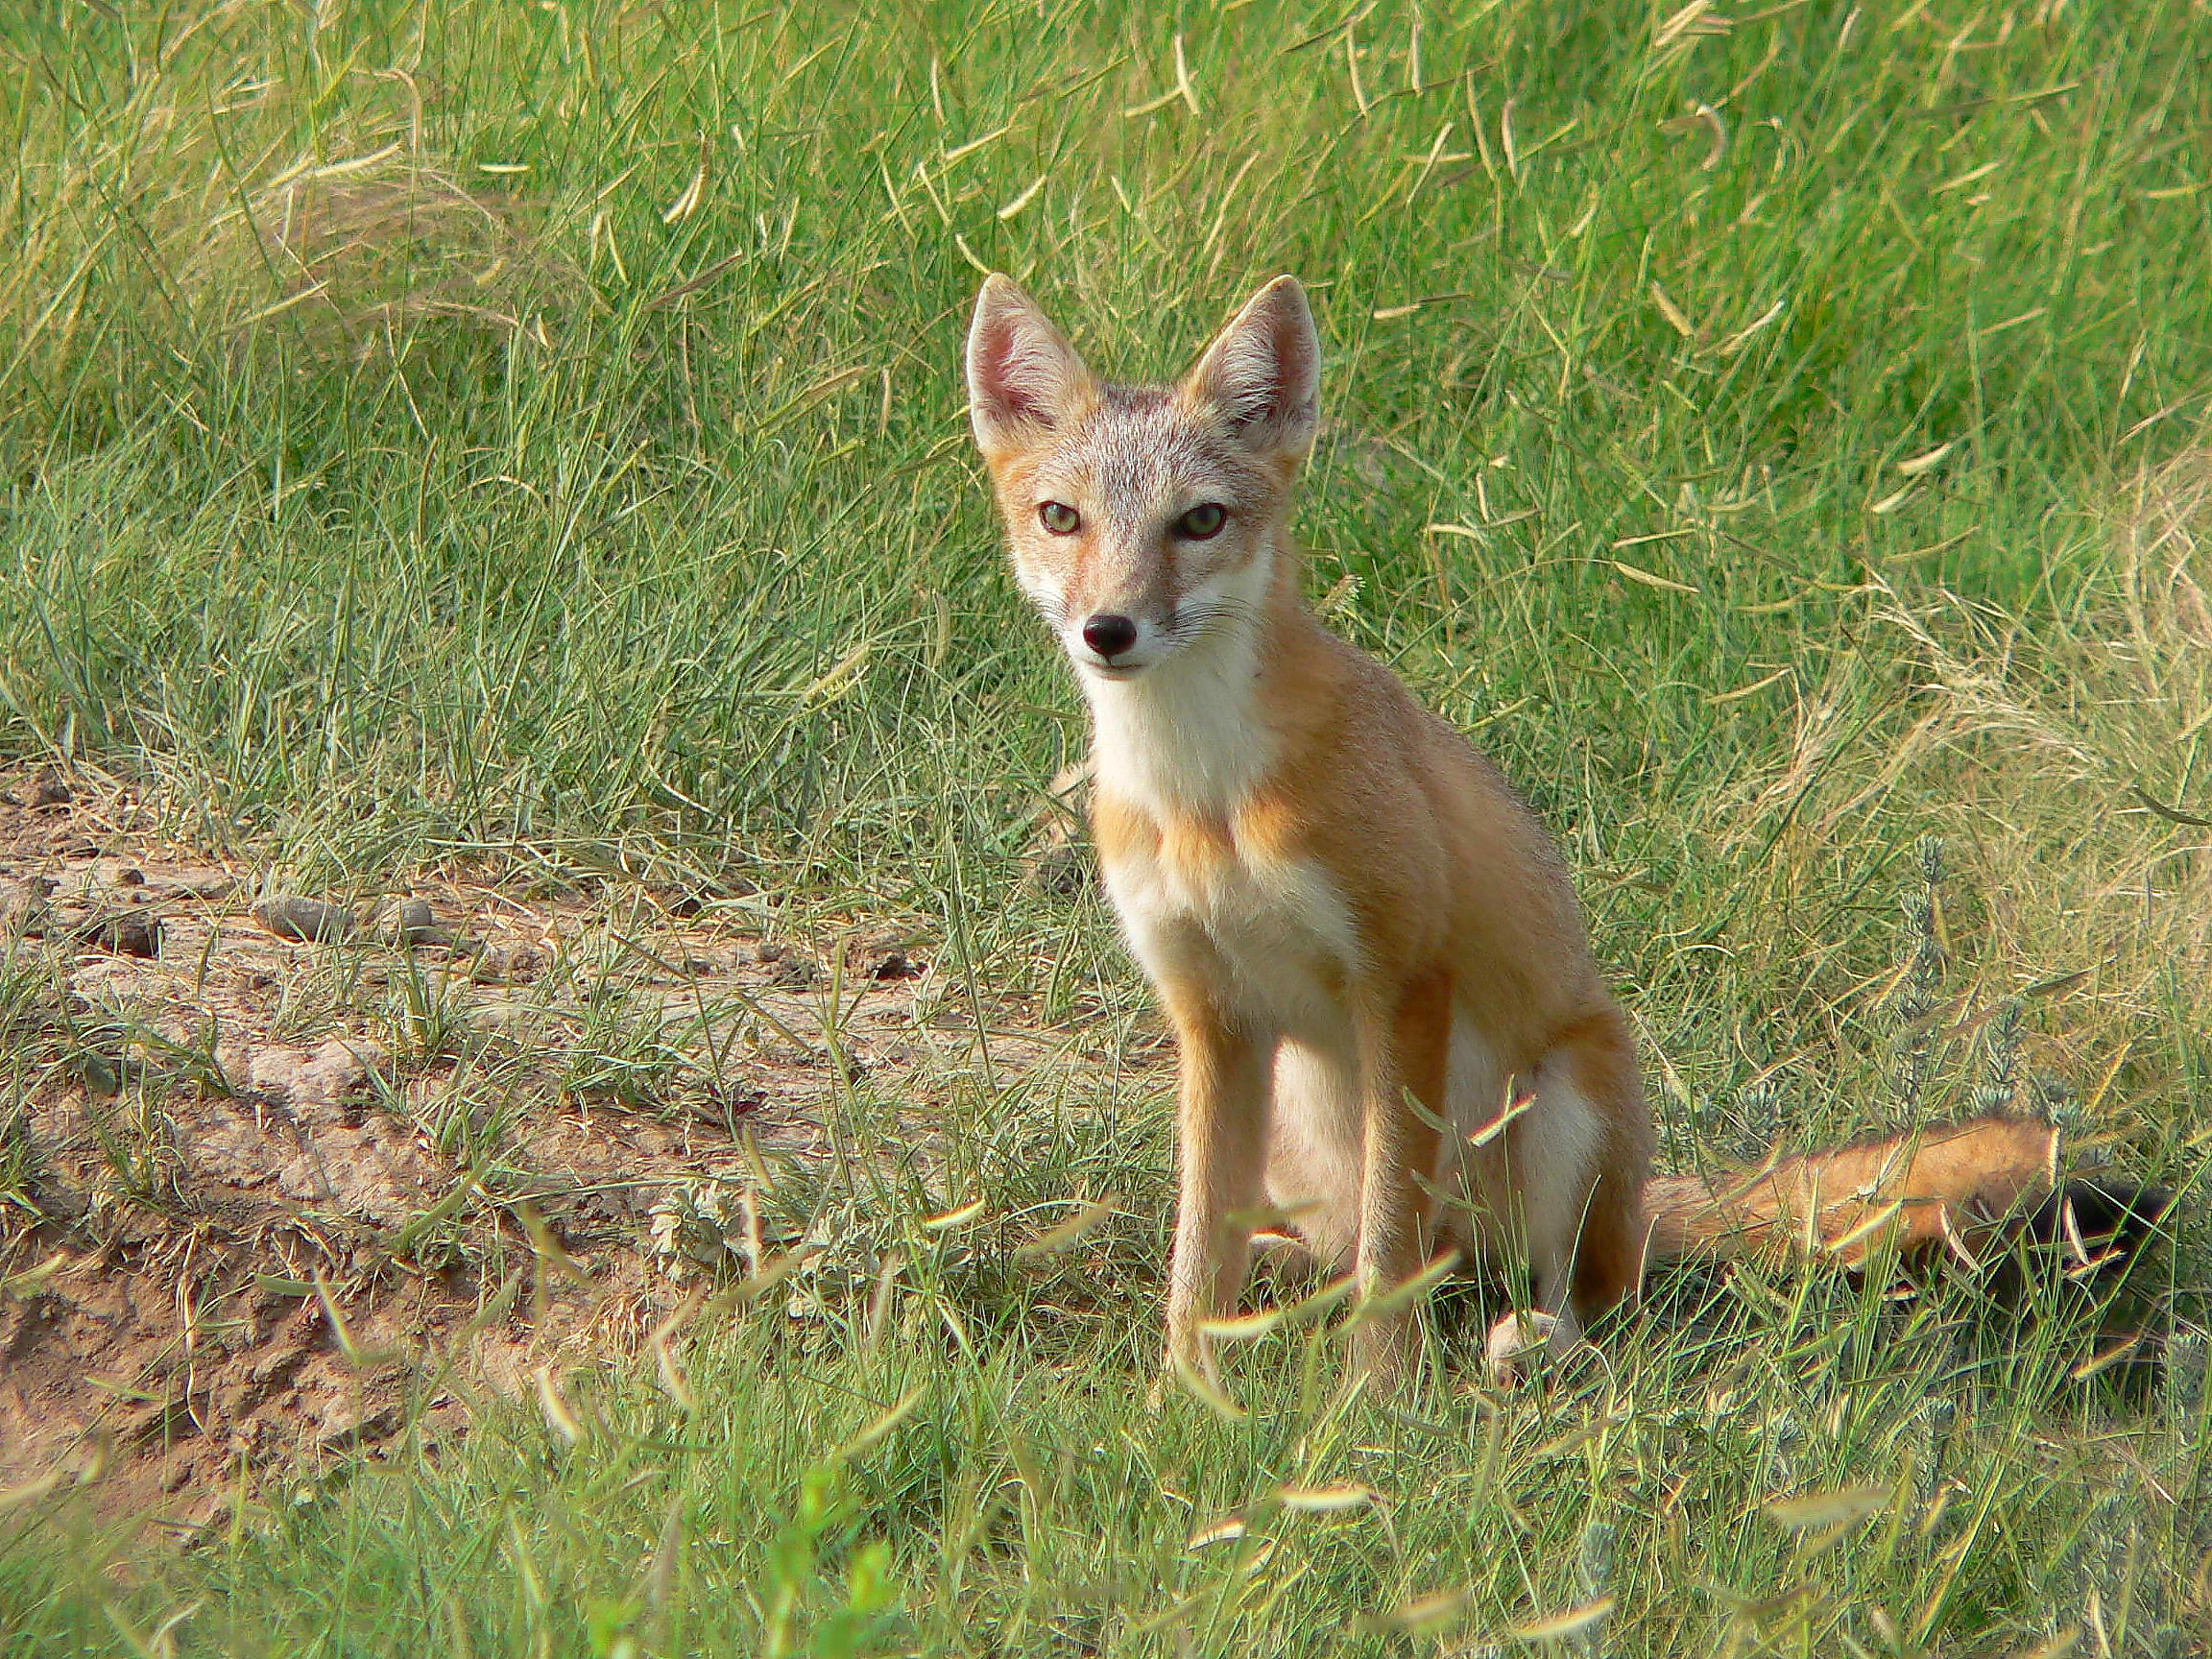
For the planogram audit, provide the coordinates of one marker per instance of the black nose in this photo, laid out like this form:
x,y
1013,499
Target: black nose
x,y
1109,635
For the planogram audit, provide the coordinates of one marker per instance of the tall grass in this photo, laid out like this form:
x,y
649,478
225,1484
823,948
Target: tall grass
x,y
530,434
505,419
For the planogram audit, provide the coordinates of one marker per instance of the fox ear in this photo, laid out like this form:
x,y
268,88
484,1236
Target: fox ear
x,y
1023,375
1264,370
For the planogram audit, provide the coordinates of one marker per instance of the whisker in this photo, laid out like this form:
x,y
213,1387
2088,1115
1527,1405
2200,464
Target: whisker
x,y
1194,624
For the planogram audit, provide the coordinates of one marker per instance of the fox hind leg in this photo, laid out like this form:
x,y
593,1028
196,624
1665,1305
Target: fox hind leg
x,y
1404,1077
1610,1251
1580,1157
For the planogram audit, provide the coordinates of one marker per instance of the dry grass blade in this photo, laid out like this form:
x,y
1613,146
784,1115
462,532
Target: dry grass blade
x,y
1397,1299
1694,19
1325,1500
1244,1327
952,1220
1205,1390
1677,319
1226,1530
1842,1507
1652,579
881,1430
550,1400
1568,1622
1927,460
1088,1217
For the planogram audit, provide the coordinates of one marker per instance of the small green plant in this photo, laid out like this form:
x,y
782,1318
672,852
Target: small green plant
x,y
807,1613
19,1161
428,1014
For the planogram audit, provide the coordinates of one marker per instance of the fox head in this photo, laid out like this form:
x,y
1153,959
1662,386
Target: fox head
x,y
1144,520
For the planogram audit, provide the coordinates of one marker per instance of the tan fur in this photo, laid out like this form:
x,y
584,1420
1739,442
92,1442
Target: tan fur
x,y
1367,943
1951,1188
1342,904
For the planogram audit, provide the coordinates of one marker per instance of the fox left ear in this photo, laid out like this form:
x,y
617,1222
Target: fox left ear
x,y
1264,370
1023,378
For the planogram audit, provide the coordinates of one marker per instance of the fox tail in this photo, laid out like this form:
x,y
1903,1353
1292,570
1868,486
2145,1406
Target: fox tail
x,y
1971,1189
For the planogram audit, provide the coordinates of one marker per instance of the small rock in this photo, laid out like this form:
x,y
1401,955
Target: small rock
x,y
413,921
197,881
42,789
129,933
795,970
882,956
519,963
768,950
306,920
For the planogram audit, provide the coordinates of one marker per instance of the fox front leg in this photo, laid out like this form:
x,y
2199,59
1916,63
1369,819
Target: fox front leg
x,y
1222,1123
1402,1060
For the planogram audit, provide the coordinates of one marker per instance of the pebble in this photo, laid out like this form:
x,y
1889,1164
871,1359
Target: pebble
x,y
412,921
45,788
307,920
132,933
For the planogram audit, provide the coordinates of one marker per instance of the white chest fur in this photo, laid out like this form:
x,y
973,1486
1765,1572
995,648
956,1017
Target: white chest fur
x,y
1186,736
1271,935
1185,744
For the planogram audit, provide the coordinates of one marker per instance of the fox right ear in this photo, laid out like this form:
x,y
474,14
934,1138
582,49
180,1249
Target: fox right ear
x,y
1264,372
1023,375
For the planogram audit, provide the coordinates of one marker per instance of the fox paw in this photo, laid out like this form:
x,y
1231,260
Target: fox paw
x,y
1511,1350
1283,1260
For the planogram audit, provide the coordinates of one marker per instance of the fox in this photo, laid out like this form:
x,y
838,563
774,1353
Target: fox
x,y
1395,1049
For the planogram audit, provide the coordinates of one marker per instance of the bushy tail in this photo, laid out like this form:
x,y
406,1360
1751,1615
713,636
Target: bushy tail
x,y
1970,1188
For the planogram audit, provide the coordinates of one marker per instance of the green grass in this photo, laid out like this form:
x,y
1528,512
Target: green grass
x,y
530,436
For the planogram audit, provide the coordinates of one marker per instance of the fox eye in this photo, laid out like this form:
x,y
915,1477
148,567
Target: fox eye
x,y
1202,522
1059,518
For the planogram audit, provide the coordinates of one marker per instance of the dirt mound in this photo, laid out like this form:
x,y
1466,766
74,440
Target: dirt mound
x,y
263,1196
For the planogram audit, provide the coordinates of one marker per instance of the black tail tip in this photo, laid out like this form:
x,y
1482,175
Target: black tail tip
x,y
2101,1222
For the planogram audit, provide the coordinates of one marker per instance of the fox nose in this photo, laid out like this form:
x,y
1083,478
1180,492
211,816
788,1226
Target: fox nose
x,y
1109,635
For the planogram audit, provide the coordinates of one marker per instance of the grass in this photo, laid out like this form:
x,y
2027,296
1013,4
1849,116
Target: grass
x,y
529,437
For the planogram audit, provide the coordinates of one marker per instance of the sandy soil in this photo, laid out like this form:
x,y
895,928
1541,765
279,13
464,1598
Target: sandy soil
x,y
258,1195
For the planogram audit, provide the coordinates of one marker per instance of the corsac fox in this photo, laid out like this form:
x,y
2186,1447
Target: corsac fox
x,y
1391,1031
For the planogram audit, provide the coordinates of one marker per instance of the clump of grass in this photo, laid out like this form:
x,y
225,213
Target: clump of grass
x,y
368,248
19,1162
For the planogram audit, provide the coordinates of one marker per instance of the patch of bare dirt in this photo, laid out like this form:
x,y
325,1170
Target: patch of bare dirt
x,y
259,1181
